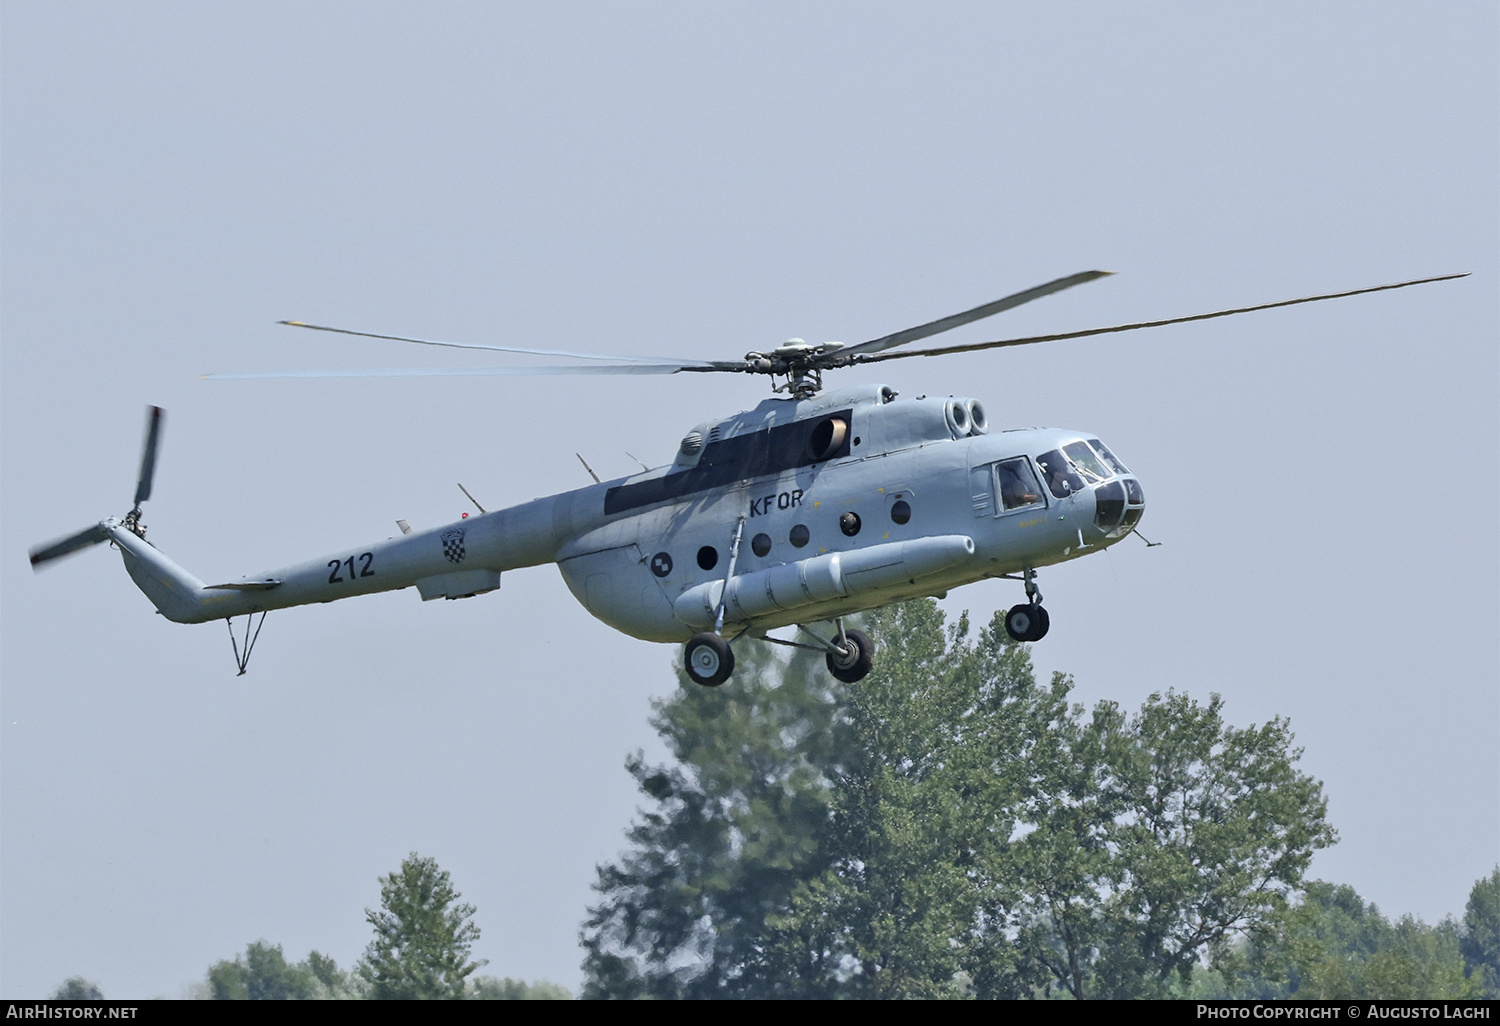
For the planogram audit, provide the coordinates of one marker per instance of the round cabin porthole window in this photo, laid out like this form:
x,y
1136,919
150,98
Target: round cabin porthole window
x,y
708,557
760,544
849,524
800,535
900,511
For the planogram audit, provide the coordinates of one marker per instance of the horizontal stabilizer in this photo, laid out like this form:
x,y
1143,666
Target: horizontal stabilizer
x,y
261,585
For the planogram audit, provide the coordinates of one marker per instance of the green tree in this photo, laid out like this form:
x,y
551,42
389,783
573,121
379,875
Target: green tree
x,y
333,983
261,974
1481,934
738,823
1333,945
77,988
488,988
944,827
422,938
913,895
1165,836
1421,961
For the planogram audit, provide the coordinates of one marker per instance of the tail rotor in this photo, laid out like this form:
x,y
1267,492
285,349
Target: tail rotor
x,y
82,540
154,416
43,554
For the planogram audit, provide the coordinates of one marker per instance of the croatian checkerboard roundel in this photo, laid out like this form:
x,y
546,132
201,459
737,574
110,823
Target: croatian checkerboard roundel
x,y
453,544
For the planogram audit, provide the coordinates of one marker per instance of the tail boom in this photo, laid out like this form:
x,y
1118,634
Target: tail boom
x,y
454,561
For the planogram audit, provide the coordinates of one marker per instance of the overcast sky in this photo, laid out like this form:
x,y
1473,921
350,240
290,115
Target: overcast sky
x,y
701,180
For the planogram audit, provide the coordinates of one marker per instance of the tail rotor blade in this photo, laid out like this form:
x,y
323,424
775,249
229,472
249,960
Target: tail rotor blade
x,y
154,416
82,540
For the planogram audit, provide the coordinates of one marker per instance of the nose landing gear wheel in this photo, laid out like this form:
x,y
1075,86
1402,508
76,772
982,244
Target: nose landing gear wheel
x,y
1027,622
709,659
855,664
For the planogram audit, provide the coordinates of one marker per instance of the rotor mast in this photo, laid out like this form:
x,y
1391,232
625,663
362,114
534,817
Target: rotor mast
x,y
799,363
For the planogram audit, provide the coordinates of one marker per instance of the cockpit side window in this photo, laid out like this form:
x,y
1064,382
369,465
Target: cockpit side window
x,y
1107,456
1017,485
1061,479
1085,462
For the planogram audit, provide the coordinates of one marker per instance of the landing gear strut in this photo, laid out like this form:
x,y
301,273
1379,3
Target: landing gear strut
x,y
1028,621
849,656
708,657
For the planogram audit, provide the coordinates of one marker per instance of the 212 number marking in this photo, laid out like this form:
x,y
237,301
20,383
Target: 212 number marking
x,y
337,565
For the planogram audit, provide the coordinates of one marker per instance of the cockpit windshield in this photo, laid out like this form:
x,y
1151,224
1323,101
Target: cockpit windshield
x,y
1108,457
1078,465
1085,462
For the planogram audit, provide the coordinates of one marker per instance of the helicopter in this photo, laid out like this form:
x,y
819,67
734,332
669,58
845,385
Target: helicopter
x,y
805,510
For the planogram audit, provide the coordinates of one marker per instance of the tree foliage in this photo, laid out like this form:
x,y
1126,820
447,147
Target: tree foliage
x,y
947,826
422,937
737,825
1159,838
1481,934
488,988
1332,945
920,805
421,949
78,988
262,973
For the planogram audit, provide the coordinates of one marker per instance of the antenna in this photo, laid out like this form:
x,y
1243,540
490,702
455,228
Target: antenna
x,y
471,498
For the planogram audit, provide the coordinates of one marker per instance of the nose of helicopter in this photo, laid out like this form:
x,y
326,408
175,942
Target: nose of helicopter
x,y
1118,506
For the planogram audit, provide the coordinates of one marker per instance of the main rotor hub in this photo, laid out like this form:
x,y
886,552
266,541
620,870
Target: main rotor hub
x,y
800,362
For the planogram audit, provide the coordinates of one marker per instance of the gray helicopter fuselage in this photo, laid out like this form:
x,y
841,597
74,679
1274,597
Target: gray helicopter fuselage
x,y
840,502
925,492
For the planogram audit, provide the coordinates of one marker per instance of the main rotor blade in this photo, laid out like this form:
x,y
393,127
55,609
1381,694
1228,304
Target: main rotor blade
x,y
498,349
969,316
455,372
82,540
976,346
154,415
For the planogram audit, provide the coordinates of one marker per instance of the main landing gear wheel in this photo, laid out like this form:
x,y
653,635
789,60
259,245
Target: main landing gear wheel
x,y
709,659
855,663
1027,622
